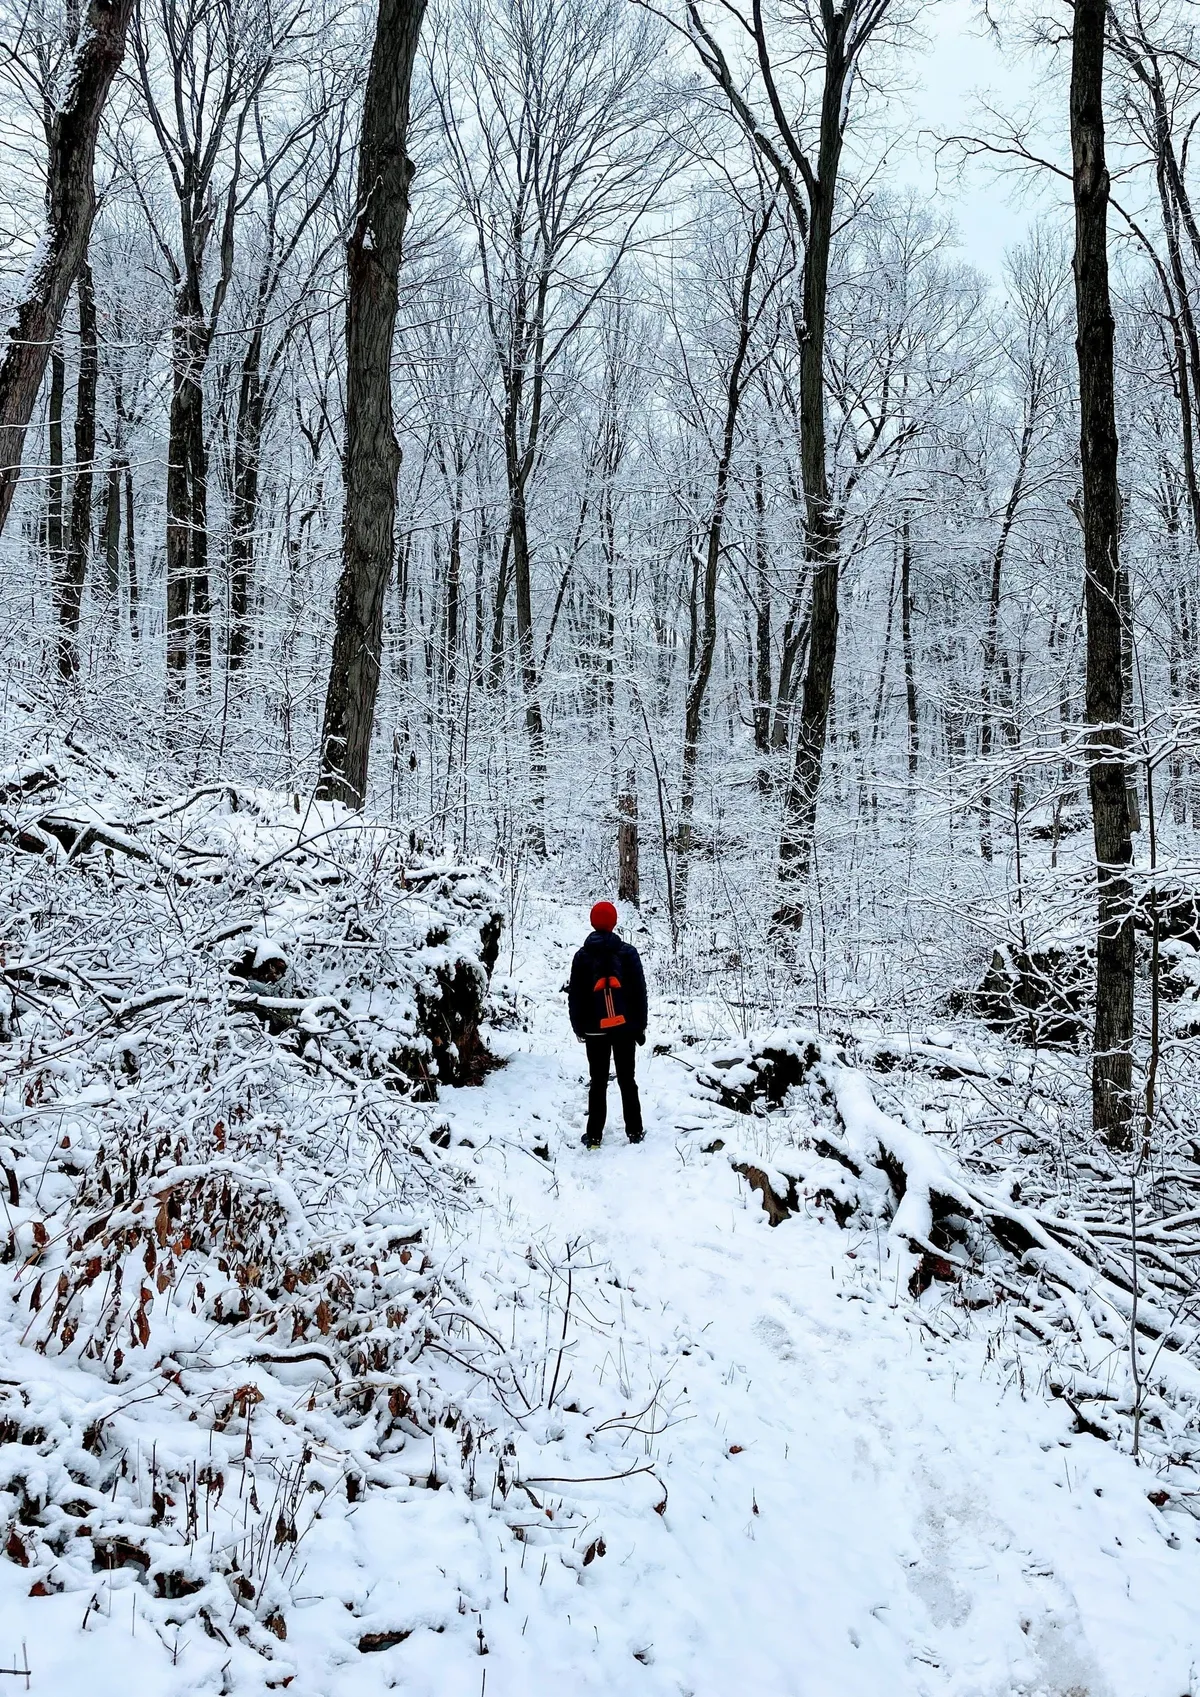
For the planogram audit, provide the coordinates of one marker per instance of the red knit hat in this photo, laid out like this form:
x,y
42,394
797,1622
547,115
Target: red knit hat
x,y
604,917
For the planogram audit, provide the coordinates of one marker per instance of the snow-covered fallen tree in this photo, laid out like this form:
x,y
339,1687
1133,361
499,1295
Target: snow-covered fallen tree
x,y
336,933
1100,1283
225,1020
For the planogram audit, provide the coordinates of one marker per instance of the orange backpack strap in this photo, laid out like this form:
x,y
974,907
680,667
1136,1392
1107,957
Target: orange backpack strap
x,y
606,986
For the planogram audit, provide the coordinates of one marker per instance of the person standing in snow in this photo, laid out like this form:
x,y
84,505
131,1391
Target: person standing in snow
x,y
608,1014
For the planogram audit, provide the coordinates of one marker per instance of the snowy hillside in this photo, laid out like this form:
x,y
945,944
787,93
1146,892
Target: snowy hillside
x,y
325,1374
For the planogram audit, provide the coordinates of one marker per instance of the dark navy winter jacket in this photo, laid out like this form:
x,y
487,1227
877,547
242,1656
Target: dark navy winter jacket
x,y
605,955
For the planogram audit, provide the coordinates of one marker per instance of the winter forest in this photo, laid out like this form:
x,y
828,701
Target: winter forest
x,y
464,460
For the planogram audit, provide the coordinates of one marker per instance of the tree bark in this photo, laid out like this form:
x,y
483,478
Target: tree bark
x,y
71,207
111,530
55,502
519,460
991,637
762,635
906,643
608,614
495,672
79,534
629,882
1182,685
1191,682
1112,1058
881,691
793,647
131,555
247,451
454,592
187,489
821,522
534,726
372,453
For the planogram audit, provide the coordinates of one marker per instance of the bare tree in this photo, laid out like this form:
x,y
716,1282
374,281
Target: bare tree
x,y
73,126
372,454
296,176
1112,1055
550,109
69,586
202,65
748,289
1036,275
823,44
1157,56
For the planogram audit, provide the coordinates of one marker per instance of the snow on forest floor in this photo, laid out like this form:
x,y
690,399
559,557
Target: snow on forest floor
x,y
854,1504
745,1467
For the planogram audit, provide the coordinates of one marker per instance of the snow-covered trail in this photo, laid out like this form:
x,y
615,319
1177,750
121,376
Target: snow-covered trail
x,y
856,1501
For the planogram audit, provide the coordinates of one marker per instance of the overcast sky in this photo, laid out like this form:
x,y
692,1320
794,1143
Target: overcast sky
x,y
963,63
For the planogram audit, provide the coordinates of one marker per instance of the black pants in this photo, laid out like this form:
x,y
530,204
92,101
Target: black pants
x,y
623,1050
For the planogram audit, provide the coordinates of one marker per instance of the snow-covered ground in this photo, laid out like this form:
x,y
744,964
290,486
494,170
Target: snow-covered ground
x,y
744,1467
857,1501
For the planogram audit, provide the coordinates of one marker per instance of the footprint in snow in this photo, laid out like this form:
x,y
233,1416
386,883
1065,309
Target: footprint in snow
x,y
776,1337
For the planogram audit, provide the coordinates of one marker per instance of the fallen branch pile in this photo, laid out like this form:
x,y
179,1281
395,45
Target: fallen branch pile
x,y
223,1022
1102,1282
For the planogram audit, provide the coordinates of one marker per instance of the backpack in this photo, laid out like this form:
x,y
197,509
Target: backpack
x,y
608,997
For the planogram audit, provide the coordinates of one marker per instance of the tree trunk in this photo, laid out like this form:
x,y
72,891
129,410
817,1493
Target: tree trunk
x,y
629,882
79,536
400,642
454,596
881,691
518,463
608,621
111,531
131,554
1112,1059
534,726
1180,632
495,671
1125,609
762,635
1188,635
991,638
704,644
792,647
187,493
247,449
482,549
71,207
822,529
55,502
372,454
906,641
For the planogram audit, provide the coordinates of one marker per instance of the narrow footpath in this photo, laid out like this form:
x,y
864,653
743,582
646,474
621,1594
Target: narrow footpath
x,y
862,1499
